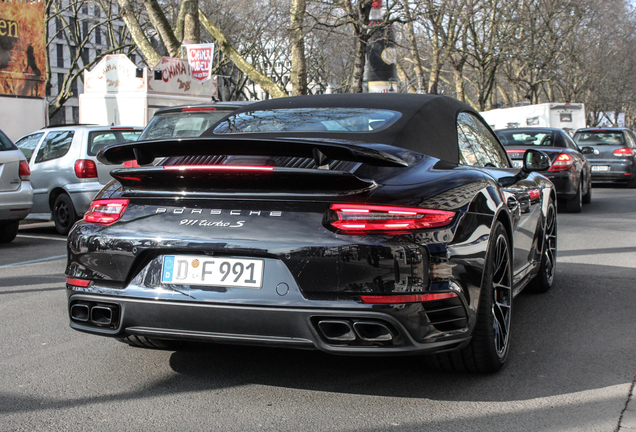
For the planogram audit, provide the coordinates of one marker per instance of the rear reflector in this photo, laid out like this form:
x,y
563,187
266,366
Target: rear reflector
x,y
106,212
194,109
409,298
360,218
563,162
77,282
24,171
218,168
626,151
85,168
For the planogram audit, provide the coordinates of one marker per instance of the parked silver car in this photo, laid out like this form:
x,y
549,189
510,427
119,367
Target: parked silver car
x,y
16,195
65,173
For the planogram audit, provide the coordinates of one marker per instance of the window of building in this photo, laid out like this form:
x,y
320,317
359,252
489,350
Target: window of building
x,y
60,81
84,29
72,24
73,52
98,11
74,88
58,28
86,56
133,58
98,36
85,9
76,112
60,55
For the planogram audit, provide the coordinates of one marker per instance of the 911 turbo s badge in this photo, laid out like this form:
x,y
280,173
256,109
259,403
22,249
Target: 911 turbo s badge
x,y
221,223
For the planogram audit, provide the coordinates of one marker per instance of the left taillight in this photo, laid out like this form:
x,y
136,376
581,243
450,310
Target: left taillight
x,y
24,171
106,212
362,219
622,152
85,168
563,162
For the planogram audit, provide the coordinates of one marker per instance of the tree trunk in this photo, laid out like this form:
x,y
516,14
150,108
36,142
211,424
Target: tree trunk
x,y
191,28
226,48
161,24
137,33
417,61
299,66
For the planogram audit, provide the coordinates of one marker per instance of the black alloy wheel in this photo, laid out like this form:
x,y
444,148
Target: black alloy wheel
x,y
575,205
545,278
587,198
64,214
489,346
9,231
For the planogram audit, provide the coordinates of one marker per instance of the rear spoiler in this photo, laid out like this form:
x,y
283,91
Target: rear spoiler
x,y
144,152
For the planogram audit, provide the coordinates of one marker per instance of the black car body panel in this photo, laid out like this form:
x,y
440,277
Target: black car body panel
x,y
555,143
273,199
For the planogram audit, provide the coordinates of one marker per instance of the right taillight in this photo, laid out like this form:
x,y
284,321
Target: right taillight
x,y
625,151
106,212
364,219
24,171
85,168
562,162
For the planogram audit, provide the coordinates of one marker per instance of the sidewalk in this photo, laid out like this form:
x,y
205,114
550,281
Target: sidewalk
x,y
628,419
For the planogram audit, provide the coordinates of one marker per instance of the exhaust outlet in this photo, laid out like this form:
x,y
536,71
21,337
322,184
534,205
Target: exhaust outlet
x,y
102,315
80,312
372,331
337,330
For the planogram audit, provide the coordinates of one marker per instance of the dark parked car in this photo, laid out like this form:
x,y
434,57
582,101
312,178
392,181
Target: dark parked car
x,y
569,169
612,153
358,224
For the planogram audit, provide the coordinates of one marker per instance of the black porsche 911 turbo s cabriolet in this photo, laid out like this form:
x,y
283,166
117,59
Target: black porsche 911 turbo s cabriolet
x,y
358,224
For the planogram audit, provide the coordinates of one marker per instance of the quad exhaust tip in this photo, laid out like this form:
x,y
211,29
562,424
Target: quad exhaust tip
x,y
345,331
102,315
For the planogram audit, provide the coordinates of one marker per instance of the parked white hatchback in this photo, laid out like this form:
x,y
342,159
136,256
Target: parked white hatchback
x,y
65,174
16,195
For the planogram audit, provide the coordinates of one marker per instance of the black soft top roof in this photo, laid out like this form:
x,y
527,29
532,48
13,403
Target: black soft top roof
x,y
427,124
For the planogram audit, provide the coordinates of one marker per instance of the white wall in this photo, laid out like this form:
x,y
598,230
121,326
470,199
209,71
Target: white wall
x,y
21,116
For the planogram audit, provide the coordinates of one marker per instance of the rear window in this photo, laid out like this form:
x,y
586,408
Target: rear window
x,y
308,120
181,124
599,138
516,138
97,140
5,143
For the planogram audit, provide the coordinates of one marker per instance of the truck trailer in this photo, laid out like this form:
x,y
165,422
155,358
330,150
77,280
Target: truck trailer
x,y
566,116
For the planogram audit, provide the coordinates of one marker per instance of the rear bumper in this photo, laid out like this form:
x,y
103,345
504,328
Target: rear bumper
x,y
291,327
618,171
16,205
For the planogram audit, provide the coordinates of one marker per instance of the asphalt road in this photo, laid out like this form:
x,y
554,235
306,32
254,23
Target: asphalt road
x,y
572,364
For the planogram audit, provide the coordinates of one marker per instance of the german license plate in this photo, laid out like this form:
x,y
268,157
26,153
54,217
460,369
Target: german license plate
x,y
212,271
600,168
517,163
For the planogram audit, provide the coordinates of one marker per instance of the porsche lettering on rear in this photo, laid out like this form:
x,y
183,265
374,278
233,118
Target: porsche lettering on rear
x,y
217,212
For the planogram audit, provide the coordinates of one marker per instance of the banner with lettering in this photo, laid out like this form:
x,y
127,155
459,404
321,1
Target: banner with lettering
x,y
22,48
200,58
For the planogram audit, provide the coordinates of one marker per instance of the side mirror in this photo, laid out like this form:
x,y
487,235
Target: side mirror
x,y
587,150
535,160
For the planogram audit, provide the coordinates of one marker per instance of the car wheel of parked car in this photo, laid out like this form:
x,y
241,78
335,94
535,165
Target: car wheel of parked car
x,y
544,279
64,214
631,183
8,232
144,342
575,204
587,198
489,345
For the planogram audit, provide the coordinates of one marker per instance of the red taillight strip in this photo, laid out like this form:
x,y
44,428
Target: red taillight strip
x,y
407,298
562,162
218,168
198,109
77,282
24,171
362,218
106,212
625,151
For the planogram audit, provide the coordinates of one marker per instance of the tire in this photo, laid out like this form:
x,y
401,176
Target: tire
x,y
575,205
9,231
64,214
151,343
587,198
489,346
543,281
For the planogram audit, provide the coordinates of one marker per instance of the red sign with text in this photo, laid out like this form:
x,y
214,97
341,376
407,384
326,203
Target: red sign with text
x,y
200,59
